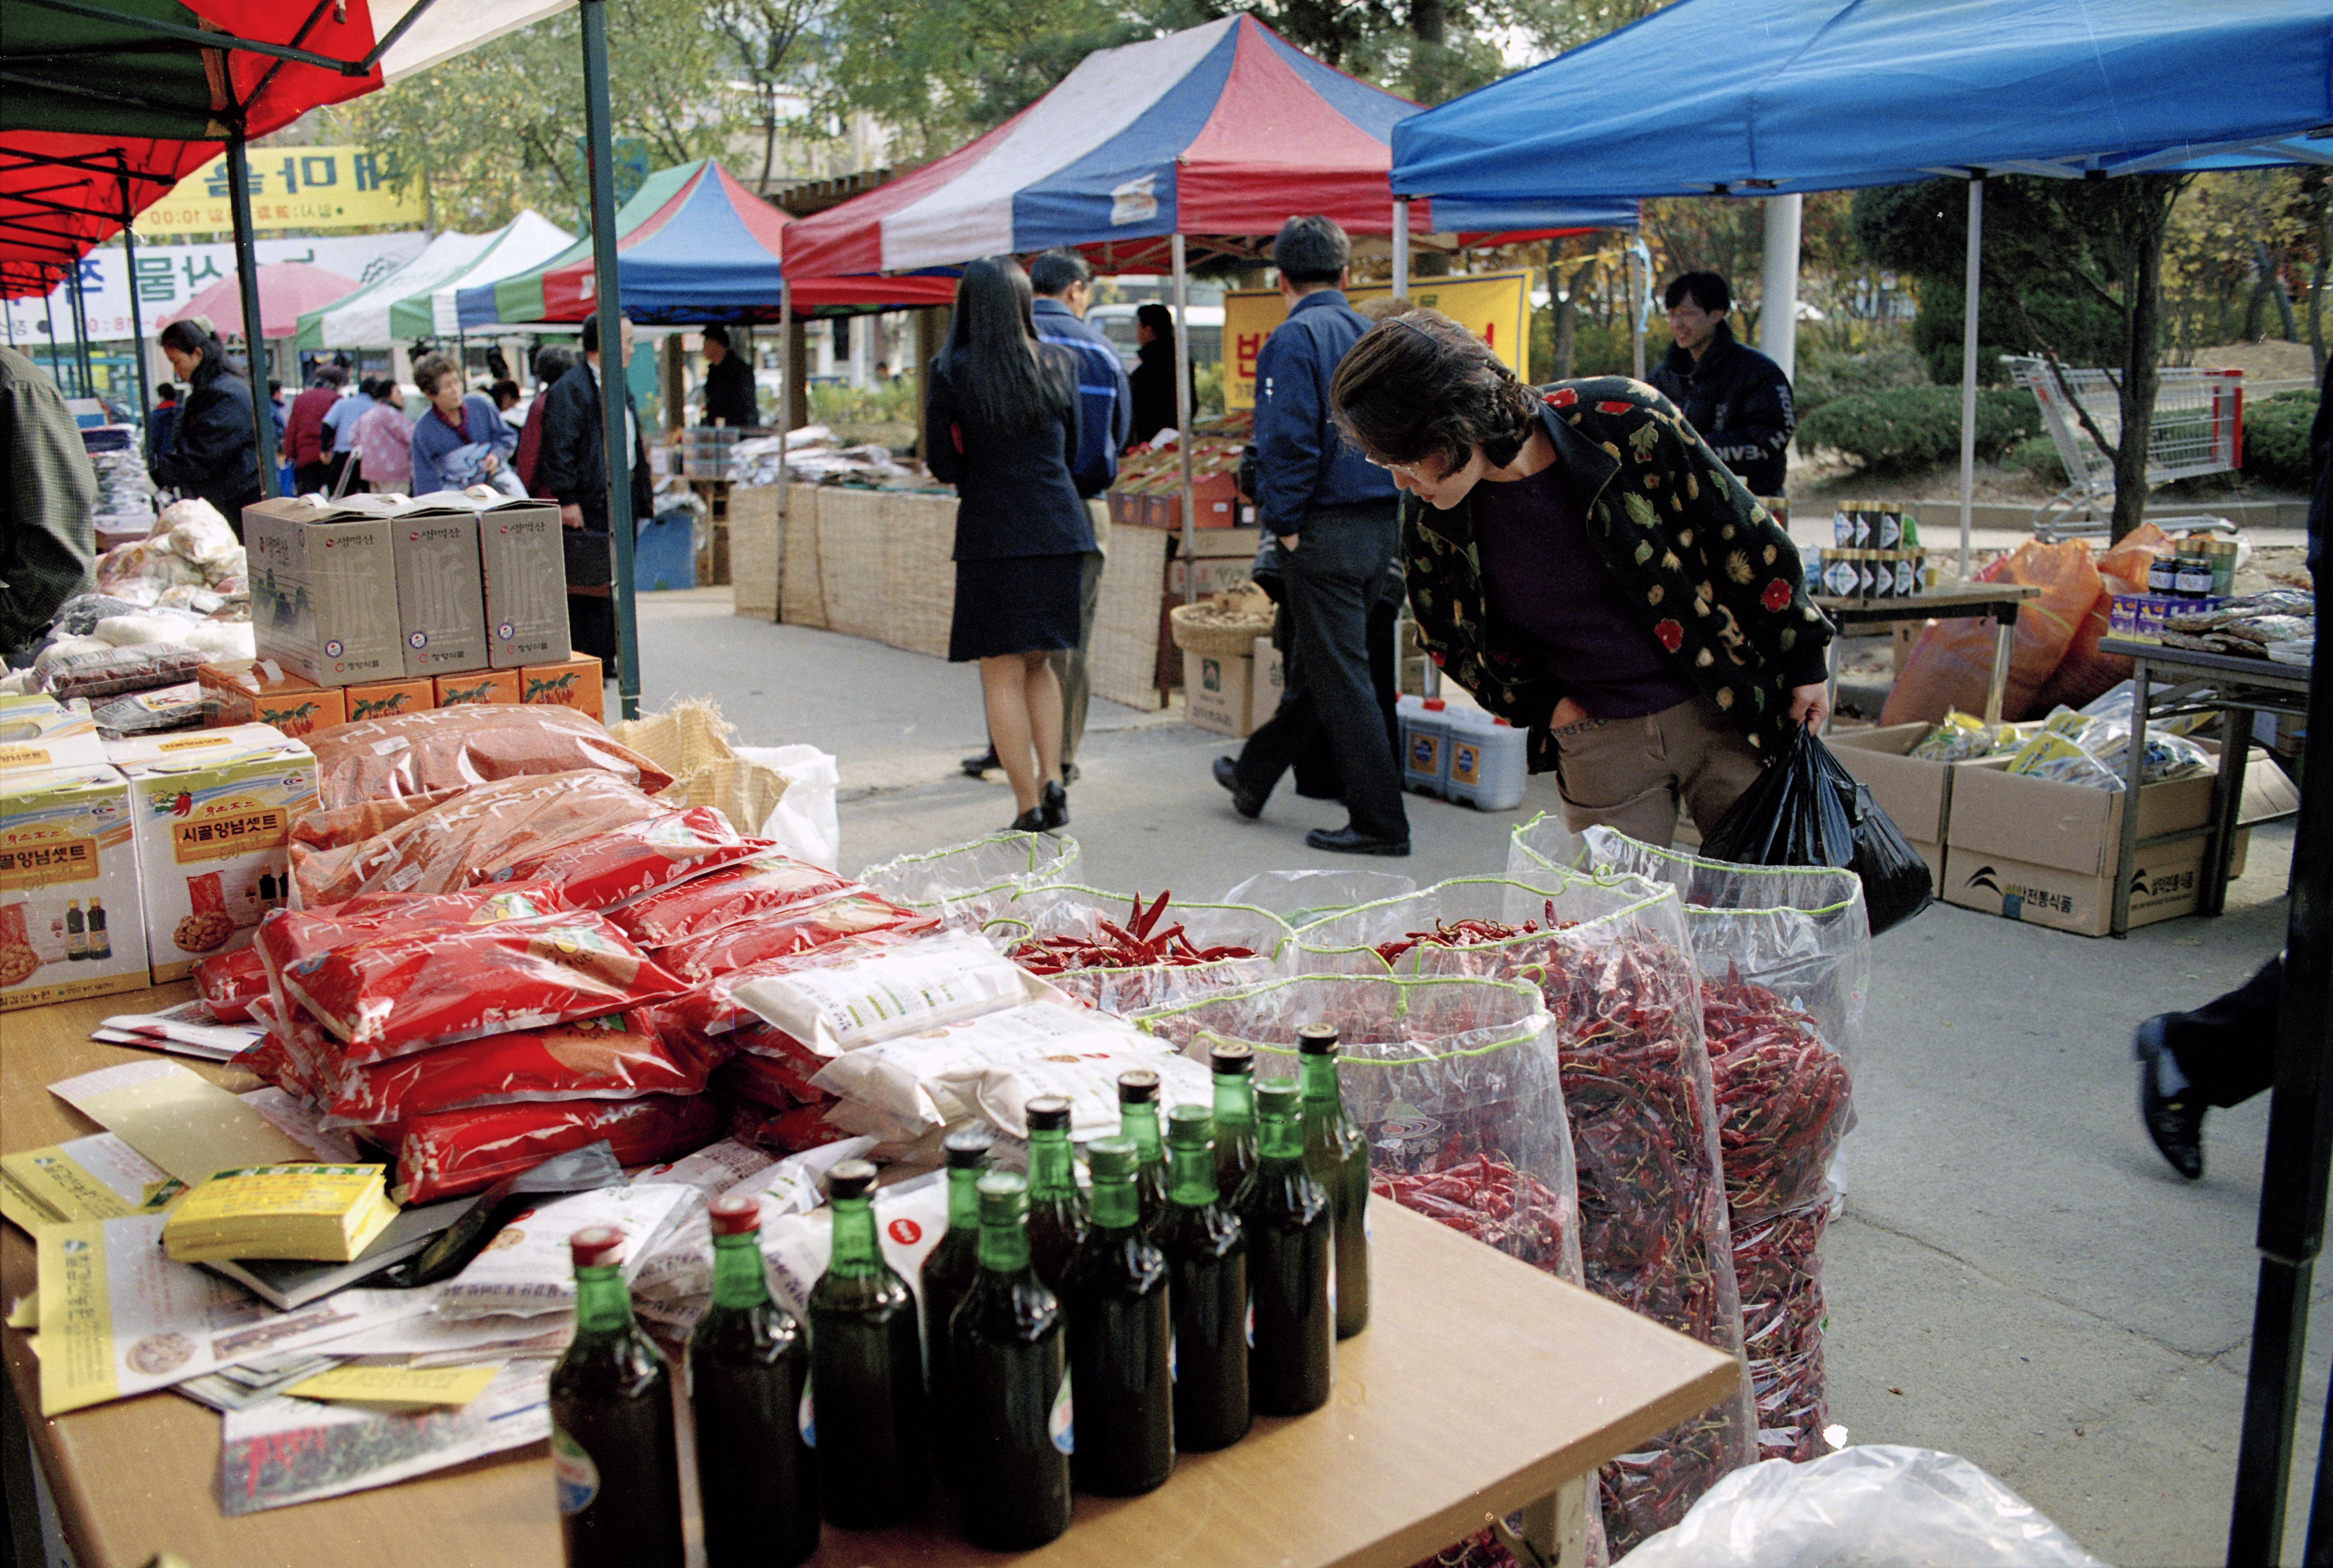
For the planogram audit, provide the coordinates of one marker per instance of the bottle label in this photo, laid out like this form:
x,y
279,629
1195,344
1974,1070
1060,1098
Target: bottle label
x,y
571,1469
806,1417
1250,1325
1175,1359
1061,1425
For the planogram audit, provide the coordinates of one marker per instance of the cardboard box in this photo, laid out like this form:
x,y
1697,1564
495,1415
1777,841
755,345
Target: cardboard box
x,y
522,559
189,745
2138,618
1917,794
1219,693
323,591
380,699
576,682
474,686
69,924
1271,679
246,693
213,830
441,596
40,734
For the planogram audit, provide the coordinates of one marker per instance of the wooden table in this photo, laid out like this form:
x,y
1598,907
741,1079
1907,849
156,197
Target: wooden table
x,y
1481,1386
2200,682
1947,601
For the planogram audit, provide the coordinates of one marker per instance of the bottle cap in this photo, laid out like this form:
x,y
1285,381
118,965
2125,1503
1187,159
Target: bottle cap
x,y
736,1216
1048,1113
967,1148
1139,1087
1112,1159
850,1179
1231,1057
1501,721
1316,1041
1435,704
596,1246
1280,1097
1190,1125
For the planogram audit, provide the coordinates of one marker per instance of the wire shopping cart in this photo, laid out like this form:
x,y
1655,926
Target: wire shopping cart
x,y
2198,428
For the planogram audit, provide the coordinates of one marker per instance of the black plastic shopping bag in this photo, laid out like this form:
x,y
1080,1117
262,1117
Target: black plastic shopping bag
x,y
1808,810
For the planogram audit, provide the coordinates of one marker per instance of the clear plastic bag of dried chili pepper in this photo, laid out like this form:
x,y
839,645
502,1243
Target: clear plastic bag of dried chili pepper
x,y
1125,953
1615,969
1454,1080
967,884
1785,961
1779,1263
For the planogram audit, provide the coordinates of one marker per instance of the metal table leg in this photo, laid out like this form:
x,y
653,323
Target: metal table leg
x,y
2004,648
2227,805
1830,678
2126,848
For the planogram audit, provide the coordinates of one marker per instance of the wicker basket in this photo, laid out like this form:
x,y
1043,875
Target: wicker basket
x,y
1203,629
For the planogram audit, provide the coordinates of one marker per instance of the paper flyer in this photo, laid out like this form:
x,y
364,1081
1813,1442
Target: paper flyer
x,y
118,1317
178,1119
368,1383
93,1178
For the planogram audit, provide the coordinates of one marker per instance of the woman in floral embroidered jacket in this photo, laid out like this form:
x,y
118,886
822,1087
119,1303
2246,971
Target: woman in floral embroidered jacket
x,y
1580,562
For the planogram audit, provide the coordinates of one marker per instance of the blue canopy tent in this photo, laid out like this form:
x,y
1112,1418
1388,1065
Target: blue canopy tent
x,y
1795,95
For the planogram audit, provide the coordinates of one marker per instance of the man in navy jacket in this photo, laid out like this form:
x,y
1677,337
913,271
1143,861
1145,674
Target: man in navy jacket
x,y
1735,399
1334,514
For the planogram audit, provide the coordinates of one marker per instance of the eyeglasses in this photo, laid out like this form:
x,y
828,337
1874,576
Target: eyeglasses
x,y
1407,470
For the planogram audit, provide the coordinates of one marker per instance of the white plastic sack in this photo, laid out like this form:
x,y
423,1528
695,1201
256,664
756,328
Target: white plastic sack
x,y
1880,1506
968,884
804,823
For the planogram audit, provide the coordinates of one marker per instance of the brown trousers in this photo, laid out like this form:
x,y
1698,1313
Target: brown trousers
x,y
1630,774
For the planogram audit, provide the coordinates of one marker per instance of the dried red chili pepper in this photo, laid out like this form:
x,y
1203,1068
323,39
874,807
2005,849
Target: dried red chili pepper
x,y
1783,1097
1779,1265
1129,946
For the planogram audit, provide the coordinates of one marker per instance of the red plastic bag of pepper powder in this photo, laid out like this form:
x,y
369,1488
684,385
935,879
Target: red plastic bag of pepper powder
x,y
633,858
386,996
270,1057
715,900
854,916
230,982
591,1059
458,1151
443,750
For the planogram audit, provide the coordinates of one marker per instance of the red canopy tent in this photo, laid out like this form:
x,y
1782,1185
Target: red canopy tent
x,y
287,291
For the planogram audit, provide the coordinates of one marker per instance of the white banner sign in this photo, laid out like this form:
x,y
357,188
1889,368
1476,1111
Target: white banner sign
x,y
170,275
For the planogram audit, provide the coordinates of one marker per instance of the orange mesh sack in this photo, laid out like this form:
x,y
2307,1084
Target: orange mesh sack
x,y
446,749
1951,666
2085,674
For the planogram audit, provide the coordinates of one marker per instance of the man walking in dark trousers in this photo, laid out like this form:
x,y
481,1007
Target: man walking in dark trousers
x,y
1335,517
1062,282
1735,399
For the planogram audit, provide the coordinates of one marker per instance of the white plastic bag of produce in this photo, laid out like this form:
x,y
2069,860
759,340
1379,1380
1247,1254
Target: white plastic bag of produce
x,y
908,1082
886,993
1000,1095
804,822
967,884
527,1269
910,1220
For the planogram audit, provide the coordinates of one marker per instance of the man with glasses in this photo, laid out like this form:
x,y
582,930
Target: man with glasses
x,y
1735,399
1334,514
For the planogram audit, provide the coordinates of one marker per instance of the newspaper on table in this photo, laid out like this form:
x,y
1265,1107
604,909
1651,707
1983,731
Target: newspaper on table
x,y
906,1084
95,1178
118,1317
247,1383
293,1450
681,1267
910,1218
1000,1093
428,1339
527,1269
186,1031
887,993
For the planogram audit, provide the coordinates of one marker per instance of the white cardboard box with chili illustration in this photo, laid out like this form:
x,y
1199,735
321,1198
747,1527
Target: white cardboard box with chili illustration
x,y
214,835
69,924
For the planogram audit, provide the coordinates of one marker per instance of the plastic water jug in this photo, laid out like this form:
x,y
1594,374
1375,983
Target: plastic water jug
x,y
1425,744
1488,762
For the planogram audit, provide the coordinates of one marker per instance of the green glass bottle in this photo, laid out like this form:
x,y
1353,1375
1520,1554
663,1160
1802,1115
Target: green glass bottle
x,y
1137,1119
1057,1209
748,1364
1337,1153
1235,1069
867,1369
1206,1288
612,1448
949,1269
1291,1226
1012,1421
1121,1337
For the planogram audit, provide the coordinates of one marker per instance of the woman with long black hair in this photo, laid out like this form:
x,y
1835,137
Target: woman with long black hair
x,y
215,454
1002,426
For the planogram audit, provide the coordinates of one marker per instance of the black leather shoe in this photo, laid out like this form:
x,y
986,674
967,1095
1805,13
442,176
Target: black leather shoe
x,y
2176,1123
1069,773
1053,805
1030,821
974,767
1353,841
1227,775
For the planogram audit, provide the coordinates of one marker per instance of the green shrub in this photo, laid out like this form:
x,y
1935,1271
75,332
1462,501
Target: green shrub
x,y
1911,428
2276,439
886,402
1826,378
2038,455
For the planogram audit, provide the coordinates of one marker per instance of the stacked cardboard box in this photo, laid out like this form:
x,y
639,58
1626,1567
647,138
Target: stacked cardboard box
x,y
68,884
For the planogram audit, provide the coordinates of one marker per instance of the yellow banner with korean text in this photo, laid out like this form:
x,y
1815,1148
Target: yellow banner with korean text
x,y
1495,306
291,187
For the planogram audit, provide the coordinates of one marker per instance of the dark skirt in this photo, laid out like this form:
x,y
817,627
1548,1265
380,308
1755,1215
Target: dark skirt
x,y
1022,604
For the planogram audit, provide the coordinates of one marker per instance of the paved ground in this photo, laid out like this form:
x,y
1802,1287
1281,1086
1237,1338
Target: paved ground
x,y
2019,1278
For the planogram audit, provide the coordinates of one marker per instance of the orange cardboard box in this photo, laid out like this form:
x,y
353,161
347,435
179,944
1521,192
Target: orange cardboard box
x,y
474,686
378,699
244,692
574,682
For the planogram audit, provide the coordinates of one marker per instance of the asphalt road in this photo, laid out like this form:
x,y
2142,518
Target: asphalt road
x,y
2019,1277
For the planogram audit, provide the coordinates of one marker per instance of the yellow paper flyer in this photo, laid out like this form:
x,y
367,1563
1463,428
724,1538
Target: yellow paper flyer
x,y
177,1118
354,1382
95,1178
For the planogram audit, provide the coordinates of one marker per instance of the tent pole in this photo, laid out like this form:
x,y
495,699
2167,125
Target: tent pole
x,y
785,427
137,321
1401,247
598,123
1637,308
1968,363
255,325
81,333
2293,1172
56,355
1183,415
1778,328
